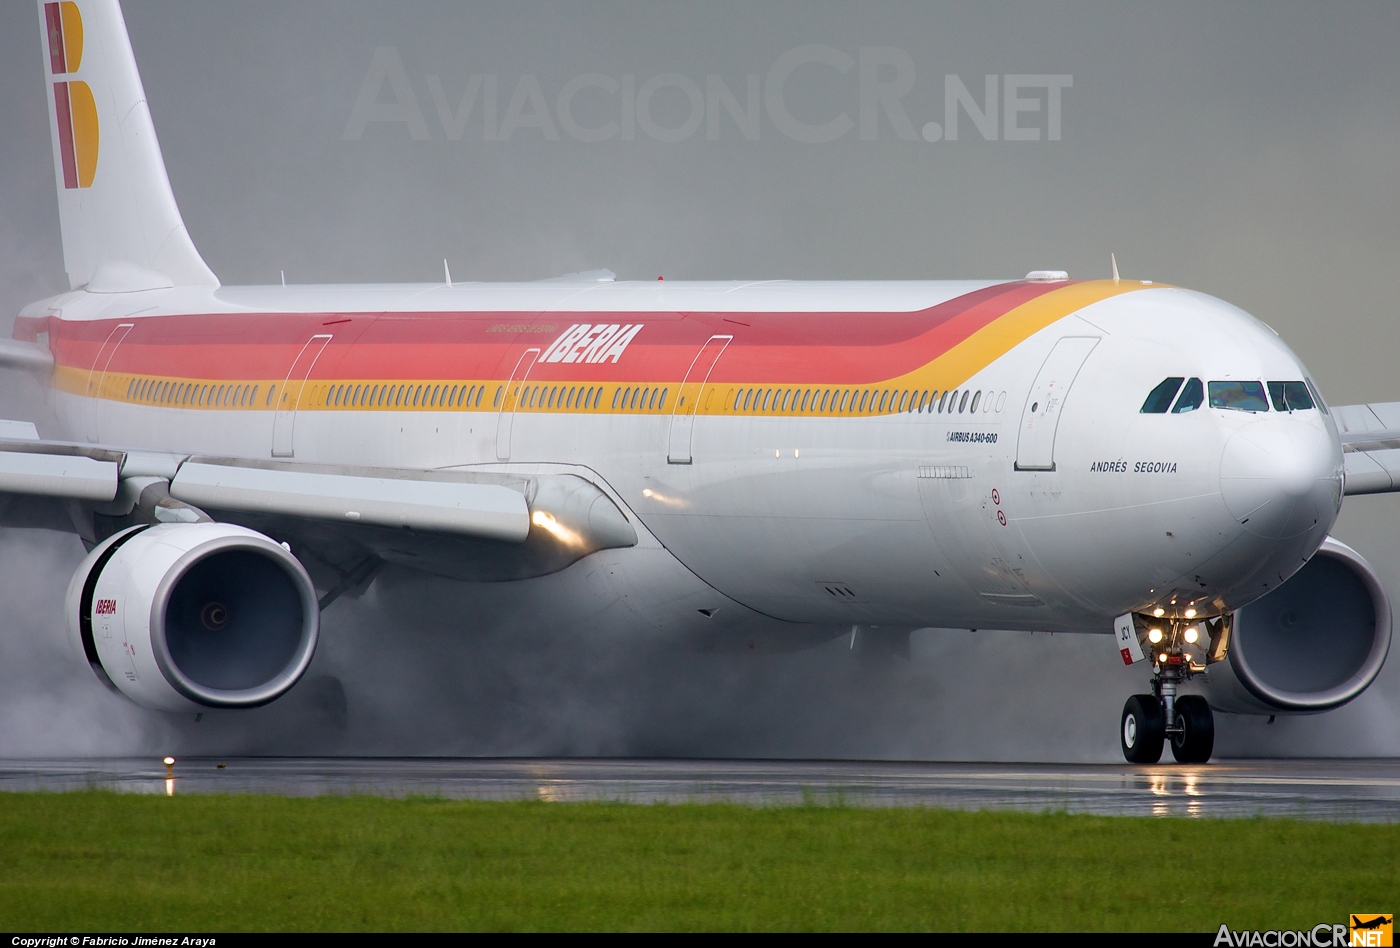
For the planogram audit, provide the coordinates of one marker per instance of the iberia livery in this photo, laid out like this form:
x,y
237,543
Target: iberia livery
x,y
735,464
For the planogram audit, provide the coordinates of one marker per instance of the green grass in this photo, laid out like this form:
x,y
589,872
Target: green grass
x,y
104,861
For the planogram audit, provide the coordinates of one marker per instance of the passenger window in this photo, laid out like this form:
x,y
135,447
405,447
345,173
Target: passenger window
x,y
975,399
1290,396
1192,394
1238,396
1160,398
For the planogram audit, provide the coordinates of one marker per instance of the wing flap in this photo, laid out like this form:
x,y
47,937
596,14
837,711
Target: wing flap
x,y
55,471
1371,446
1366,475
439,505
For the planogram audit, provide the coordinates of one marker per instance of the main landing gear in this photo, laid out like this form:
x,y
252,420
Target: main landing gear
x,y
1149,721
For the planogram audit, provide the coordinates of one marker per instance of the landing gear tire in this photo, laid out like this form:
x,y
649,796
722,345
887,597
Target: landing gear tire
x,y
1194,727
1142,729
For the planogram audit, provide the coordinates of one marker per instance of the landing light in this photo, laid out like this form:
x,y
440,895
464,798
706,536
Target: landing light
x,y
1162,658
562,533
1154,636
663,499
1190,613
1159,612
1192,635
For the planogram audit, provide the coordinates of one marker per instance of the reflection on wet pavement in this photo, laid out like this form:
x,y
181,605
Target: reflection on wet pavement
x,y
1350,790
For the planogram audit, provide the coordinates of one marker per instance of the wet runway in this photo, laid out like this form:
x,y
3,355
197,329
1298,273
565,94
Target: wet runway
x,y
1350,790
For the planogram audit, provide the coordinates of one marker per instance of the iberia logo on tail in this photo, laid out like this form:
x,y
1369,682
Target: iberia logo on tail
x,y
72,98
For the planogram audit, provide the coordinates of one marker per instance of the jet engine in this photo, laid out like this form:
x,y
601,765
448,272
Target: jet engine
x,y
189,616
1312,644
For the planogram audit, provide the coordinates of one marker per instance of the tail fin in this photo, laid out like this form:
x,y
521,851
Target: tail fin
x,y
121,228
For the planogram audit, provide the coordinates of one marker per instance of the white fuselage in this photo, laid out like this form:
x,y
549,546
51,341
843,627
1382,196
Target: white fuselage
x,y
904,517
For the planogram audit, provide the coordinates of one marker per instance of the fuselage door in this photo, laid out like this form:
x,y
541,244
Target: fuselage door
x,y
289,398
505,421
1035,448
97,376
688,398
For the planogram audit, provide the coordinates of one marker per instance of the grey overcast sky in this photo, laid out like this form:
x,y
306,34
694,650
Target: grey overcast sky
x,y
1247,149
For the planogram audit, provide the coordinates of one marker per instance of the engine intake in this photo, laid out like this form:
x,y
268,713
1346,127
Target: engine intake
x,y
1312,644
185,616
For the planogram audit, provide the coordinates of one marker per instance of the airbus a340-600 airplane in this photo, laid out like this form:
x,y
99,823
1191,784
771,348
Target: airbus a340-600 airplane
x,y
732,464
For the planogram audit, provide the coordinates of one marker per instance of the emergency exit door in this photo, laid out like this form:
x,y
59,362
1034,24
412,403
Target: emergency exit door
x,y
688,399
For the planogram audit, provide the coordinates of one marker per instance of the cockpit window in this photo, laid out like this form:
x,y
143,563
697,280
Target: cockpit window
x,y
1290,396
1160,398
1238,396
1317,396
1191,397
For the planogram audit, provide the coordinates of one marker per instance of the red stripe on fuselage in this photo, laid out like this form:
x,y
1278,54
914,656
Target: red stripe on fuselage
x,y
816,348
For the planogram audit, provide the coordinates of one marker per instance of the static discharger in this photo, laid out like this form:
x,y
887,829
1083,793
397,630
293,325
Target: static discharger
x,y
169,776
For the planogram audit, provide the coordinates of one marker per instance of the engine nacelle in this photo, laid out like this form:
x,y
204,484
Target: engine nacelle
x,y
1312,644
188,616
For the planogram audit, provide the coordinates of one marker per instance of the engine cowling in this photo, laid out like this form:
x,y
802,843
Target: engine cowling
x,y
1312,644
188,616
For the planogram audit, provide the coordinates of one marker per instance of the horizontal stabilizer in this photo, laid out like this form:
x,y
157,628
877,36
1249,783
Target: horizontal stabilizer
x,y
15,354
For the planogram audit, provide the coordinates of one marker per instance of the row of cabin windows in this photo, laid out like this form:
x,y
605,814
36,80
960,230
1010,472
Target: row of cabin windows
x,y
861,400
559,396
424,396
643,398
157,392
640,399
1247,395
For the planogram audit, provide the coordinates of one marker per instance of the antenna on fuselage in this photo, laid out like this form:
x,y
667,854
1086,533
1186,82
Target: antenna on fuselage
x,y
1113,262
446,273
284,276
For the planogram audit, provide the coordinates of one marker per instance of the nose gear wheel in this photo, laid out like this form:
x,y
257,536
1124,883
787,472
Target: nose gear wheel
x,y
1142,729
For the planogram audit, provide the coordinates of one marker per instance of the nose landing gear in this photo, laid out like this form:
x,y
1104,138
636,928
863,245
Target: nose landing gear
x,y
1151,721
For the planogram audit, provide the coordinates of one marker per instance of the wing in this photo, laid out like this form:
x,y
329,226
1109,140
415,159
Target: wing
x,y
1371,446
341,521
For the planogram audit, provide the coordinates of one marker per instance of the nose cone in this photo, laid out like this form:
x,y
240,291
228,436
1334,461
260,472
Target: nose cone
x,y
1279,477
